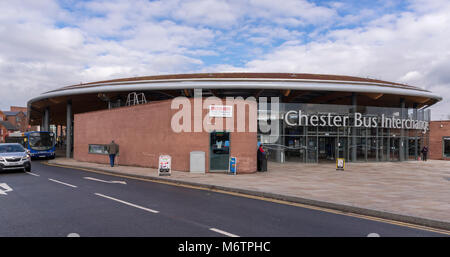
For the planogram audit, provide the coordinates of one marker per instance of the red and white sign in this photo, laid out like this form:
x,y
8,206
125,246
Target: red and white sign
x,y
225,111
164,165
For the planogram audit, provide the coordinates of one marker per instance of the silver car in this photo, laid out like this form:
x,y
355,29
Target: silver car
x,y
13,156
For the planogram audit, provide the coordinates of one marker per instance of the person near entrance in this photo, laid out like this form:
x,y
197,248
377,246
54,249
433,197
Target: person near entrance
x,y
424,153
261,161
112,149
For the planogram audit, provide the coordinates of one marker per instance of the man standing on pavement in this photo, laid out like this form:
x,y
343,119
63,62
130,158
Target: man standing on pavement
x,y
113,149
424,153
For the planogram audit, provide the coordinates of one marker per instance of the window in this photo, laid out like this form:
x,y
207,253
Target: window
x,y
98,149
446,146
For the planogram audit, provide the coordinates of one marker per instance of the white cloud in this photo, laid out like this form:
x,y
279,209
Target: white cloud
x,y
207,12
409,47
167,37
291,9
45,46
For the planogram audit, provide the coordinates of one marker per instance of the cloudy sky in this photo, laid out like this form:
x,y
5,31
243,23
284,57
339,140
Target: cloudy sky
x,y
48,44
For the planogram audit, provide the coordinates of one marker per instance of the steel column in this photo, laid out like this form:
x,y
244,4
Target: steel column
x,y
402,131
354,106
69,120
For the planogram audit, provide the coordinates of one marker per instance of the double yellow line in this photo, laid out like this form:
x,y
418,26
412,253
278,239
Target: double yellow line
x,y
267,199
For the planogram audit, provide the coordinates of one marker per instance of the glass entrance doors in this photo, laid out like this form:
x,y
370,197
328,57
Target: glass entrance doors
x,y
219,152
327,149
342,148
395,149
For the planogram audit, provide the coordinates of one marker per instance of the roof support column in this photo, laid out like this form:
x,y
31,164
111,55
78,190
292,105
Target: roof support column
x,y
69,133
354,107
46,119
416,141
402,150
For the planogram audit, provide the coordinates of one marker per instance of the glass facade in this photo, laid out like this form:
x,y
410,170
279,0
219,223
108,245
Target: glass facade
x,y
446,147
319,133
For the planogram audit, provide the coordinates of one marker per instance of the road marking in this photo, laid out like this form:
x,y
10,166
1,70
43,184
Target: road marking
x,y
393,222
30,173
73,235
373,235
104,181
127,203
6,189
223,232
69,185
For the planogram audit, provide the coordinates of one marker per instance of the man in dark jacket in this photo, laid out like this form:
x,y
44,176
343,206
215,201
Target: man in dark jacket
x,y
424,153
260,159
113,149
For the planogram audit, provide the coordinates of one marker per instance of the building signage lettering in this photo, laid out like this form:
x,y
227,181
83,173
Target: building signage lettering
x,y
296,118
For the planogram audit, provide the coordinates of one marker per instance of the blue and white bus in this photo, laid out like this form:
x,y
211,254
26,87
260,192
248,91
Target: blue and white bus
x,y
41,144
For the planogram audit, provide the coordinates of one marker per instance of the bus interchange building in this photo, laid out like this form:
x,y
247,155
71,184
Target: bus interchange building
x,y
310,118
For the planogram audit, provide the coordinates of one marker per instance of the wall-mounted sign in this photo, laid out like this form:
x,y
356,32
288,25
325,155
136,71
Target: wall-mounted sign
x,y
164,167
297,118
222,111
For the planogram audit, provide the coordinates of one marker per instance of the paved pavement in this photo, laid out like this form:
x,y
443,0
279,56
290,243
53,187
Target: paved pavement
x,y
56,201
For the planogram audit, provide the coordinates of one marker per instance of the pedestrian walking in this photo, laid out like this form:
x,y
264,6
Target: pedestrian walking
x,y
112,149
424,153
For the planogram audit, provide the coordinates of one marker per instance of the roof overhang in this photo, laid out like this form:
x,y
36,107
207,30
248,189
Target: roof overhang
x,y
375,91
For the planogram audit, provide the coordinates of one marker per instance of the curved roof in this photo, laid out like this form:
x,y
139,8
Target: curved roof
x,y
295,87
224,76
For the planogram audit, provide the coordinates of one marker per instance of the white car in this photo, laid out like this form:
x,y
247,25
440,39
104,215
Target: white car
x,y
13,157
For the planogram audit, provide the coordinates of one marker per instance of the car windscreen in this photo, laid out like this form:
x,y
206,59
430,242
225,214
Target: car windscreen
x,y
11,149
41,141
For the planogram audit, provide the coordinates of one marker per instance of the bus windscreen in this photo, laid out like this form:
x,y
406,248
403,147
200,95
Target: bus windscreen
x,y
41,141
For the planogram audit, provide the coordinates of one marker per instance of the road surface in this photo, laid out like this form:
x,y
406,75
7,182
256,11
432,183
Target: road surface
x,y
56,201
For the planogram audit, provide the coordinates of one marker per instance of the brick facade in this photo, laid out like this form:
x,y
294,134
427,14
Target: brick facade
x,y
3,133
19,121
438,130
18,109
143,133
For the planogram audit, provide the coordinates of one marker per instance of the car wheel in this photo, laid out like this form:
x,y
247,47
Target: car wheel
x,y
28,168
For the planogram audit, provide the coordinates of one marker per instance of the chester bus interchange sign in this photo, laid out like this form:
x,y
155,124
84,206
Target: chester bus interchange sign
x,y
296,118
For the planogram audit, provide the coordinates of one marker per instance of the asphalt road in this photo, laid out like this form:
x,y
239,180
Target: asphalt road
x,y
55,201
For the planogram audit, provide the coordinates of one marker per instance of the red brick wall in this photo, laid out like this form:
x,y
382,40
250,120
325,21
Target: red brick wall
x,y
18,109
144,132
437,132
3,133
21,125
